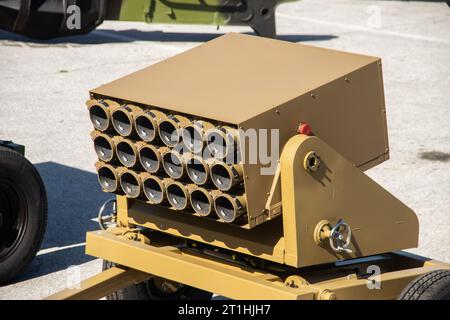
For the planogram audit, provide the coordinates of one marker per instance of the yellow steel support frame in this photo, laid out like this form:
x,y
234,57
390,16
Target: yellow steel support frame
x,y
209,274
102,284
336,190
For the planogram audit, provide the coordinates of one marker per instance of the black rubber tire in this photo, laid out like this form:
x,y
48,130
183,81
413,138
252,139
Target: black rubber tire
x,y
147,291
46,19
20,178
434,285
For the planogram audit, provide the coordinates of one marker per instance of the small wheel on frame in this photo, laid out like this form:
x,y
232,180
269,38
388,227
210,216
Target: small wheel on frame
x,y
434,285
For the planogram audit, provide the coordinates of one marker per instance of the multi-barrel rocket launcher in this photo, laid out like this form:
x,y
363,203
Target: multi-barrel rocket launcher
x,y
169,159
239,184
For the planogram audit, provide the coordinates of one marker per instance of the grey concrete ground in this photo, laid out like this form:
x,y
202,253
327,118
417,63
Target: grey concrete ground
x,y
43,87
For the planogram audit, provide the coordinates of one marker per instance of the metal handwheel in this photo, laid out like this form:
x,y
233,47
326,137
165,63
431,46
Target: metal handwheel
x,y
340,237
107,221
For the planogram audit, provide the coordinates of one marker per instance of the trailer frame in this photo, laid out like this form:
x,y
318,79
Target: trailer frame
x,y
138,261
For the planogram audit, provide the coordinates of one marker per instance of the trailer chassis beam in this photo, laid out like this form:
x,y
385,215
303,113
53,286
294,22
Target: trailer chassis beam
x,y
102,284
235,281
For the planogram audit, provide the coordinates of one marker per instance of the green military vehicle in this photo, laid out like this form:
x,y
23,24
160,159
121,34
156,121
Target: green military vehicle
x,y
23,211
52,18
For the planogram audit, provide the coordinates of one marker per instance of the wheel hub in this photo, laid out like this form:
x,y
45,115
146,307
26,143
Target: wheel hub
x,y
12,218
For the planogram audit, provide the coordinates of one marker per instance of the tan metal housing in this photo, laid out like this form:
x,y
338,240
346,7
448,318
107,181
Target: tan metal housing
x,y
380,222
314,227
269,84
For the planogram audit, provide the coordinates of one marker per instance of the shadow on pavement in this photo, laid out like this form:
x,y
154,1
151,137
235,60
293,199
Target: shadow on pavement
x,y
102,36
74,197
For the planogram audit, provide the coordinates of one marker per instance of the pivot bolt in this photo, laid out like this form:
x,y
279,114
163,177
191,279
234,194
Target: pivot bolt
x,y
311,162
327,295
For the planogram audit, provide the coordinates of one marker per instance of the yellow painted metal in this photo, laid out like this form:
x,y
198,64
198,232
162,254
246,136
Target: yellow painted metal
x,y
223,278
122,211
239,282
337,190
319,179
273,85
392,283
265,242
102,284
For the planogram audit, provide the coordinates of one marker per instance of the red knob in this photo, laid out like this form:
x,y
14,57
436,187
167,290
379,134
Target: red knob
x,y
304,128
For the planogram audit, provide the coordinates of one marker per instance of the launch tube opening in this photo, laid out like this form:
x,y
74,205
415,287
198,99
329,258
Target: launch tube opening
x,y
173,165
153,190
221,176
99,116
146,128
126,154
169,133
177,196
226,208
220,143
150,159
104,148
201,202
197,170
192,139
130,185
122,123
107,179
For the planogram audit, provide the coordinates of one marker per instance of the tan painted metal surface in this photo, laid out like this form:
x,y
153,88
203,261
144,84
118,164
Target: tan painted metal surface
x,y
256,74
318,207
256,83
213,276
265,242
238,282
102,284
337,190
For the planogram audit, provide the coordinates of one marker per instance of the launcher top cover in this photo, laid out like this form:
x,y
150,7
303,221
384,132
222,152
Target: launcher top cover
x,y
256,83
